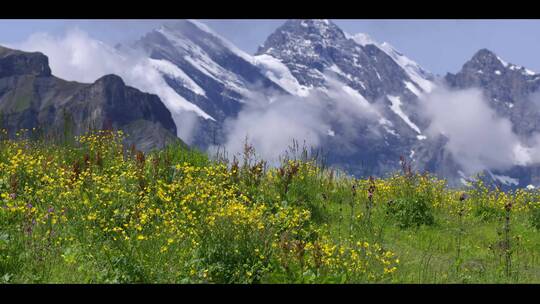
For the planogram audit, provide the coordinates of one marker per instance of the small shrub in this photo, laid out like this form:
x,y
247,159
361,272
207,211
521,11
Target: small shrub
x,y
487,213
535,217
410,212
233,252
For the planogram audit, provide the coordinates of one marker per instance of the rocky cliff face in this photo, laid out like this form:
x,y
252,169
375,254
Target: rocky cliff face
x,y
14,63
31,97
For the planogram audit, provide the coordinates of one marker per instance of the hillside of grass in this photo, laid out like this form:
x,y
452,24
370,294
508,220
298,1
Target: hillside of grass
x,y
92,210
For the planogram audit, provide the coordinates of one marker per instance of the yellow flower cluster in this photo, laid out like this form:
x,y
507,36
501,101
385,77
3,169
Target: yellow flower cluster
x,y
119,201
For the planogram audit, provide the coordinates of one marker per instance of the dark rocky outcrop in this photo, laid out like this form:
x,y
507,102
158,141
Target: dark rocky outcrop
x,y
31,97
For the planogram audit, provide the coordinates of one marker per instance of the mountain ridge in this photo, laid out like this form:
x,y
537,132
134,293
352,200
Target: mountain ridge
x,y
31,97
368,93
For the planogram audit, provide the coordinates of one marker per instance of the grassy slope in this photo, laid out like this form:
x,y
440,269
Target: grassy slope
x,y
196,221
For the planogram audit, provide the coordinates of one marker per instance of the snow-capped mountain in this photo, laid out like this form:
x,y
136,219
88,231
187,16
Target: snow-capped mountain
x,y
507,86
363,103
310,48
205,70
300,58
318,55
511,91
369,91
316,50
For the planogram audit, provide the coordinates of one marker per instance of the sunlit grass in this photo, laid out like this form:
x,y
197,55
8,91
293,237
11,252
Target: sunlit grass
x,y
96,211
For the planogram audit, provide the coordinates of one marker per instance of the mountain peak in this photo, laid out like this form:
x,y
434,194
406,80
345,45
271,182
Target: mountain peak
x,y
486,58
321,24
14,62
319,27
111,79
487,61
304,33
484,53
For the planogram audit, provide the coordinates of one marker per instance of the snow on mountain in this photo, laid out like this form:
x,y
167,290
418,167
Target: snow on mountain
x,y
375,86
515,67
200,59
382,83
413,70
211,74
367,81
233,48
418,75
412,88
307,50
311,48
176,103
396,107
276,71
506,180
168,68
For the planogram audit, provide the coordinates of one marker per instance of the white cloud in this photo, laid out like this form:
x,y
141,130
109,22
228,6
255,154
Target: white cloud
x,y
272,122
478,138
271,129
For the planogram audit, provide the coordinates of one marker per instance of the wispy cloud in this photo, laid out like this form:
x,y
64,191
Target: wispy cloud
x,y
478,137
272,122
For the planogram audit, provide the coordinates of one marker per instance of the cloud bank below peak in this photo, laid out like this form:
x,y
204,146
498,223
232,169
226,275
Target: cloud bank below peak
x,y
478,138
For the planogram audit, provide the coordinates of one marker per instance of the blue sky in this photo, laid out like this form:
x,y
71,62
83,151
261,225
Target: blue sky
x,y
440,46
